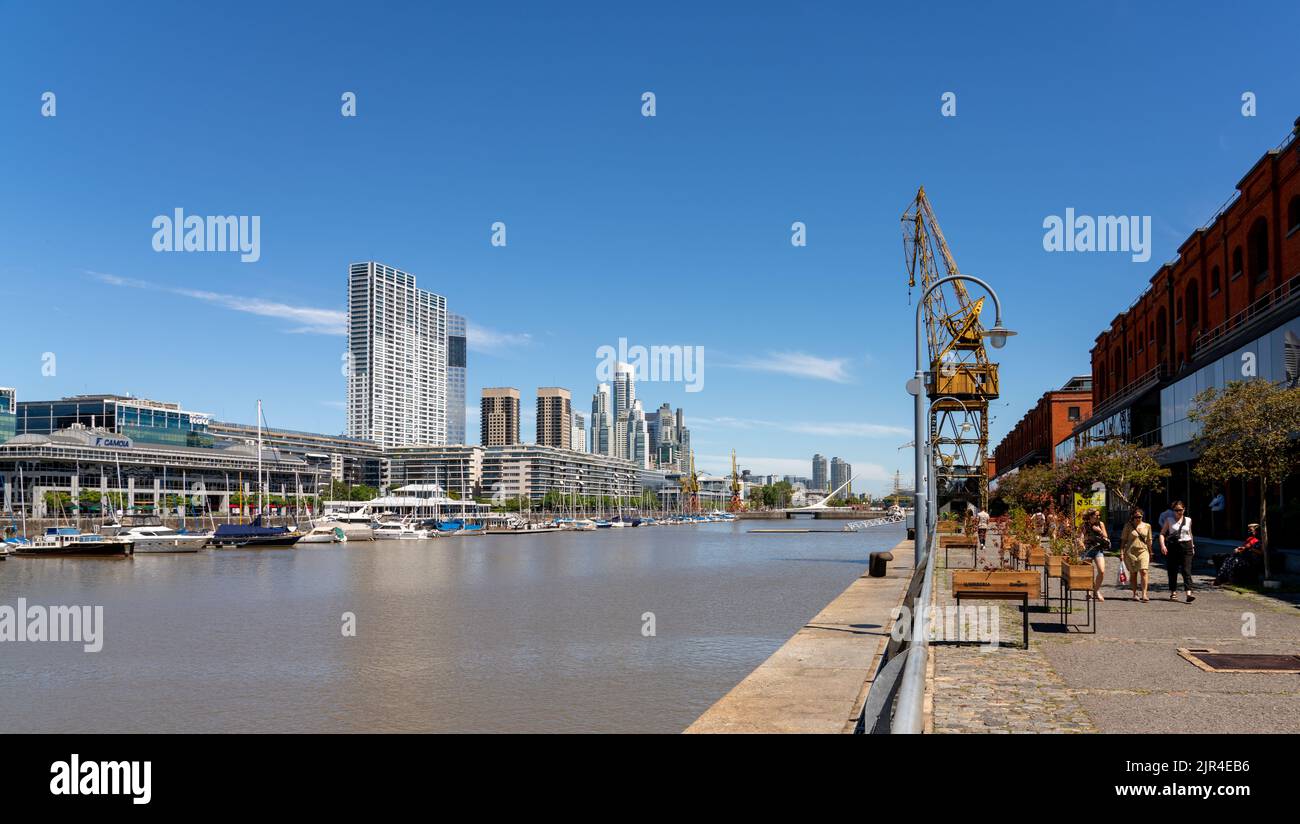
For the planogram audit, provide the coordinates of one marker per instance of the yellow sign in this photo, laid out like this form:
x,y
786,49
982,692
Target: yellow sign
x,y
1095,499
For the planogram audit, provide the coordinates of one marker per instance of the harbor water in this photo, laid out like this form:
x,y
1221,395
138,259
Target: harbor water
x,y
631,630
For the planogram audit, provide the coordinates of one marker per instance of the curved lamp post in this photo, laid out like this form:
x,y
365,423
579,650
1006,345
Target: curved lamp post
x,y
997,339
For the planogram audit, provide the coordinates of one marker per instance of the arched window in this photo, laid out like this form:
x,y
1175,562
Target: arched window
x,y
1193,304
1215,281
1178,311
1162,332
1293,215
1257,247
1236,263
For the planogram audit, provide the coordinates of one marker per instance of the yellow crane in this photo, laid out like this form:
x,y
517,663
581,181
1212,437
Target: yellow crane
x,y
961,380
690,484
734,505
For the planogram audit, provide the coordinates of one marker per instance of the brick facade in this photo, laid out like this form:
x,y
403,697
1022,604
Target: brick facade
x,y
1034,438
1245,252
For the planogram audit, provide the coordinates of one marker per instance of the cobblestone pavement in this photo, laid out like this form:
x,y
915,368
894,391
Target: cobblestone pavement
x,y
1004,689
1127,676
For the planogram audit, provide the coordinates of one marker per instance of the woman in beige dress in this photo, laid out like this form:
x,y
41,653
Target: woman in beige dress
x,y
1135,548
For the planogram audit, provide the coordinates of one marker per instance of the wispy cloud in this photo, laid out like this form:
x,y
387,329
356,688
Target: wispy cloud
x,y
798,364
799,467
310,319
491,342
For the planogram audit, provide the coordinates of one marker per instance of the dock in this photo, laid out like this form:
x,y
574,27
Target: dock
x,y
817,682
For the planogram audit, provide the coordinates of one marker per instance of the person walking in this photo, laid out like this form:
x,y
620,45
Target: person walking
x,y
1135,548
1178,547
982,526
1095,542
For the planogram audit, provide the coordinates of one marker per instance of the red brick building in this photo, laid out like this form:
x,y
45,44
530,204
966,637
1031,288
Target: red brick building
x,y
1227,308
1034,438
1239,264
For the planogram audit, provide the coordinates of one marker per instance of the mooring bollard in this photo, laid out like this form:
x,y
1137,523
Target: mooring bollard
x,y
877,566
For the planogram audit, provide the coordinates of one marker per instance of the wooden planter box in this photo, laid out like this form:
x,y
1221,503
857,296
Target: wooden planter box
x,y
1037,556
1054,566
976,583
1077,576
946,528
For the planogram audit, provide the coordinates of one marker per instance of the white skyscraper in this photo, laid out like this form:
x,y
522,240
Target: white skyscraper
x,y
455,379
602,421
638,436
397,348
579,438
624,397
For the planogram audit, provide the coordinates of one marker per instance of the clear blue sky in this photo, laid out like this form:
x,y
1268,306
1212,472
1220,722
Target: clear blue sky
x,y
671,230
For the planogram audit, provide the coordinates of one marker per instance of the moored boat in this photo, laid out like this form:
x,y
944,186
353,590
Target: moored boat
x,y
255,535
70,542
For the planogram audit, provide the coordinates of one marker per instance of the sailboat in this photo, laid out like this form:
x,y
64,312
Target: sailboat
x,y
256,535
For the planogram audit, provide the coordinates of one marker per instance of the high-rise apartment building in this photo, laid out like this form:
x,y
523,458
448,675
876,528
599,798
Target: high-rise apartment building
x,y
602,421
819,472
456,361
638,437
499,416
397,358
578,442
841,474
624,397
554,417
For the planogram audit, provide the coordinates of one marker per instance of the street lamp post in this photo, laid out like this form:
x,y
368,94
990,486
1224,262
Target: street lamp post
x,y
997,338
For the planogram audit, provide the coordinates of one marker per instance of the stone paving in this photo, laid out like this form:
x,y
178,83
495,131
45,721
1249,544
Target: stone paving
x,y
1128,676
1003,689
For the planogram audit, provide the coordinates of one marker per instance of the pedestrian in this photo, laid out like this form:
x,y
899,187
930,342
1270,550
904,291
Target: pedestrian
x,y
1135,548
1178,547
1095,542
982,526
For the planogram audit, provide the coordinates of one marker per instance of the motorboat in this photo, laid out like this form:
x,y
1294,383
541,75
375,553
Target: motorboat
x,y
149,534
400,530
325,533
70,542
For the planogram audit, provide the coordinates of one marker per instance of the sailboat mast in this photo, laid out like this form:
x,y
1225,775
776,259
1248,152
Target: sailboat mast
x,y
259,456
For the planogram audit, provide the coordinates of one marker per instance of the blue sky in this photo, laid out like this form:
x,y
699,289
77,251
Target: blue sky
x,y
666,230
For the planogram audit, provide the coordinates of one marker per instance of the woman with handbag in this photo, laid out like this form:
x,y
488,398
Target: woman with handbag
x,y
1178,547
1095,542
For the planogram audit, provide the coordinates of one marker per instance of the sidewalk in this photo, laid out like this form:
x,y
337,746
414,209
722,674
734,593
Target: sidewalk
x,y
1128,677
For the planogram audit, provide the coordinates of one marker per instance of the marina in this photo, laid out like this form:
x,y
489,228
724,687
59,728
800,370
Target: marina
x,y
520,633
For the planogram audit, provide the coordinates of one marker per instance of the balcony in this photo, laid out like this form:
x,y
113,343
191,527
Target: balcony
x,y
1264,307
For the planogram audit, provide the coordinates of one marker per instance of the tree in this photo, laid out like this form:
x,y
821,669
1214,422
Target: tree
x,y
1031,487
1247,433
1127,470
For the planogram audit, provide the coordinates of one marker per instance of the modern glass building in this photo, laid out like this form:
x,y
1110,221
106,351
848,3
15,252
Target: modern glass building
x,y
456,360
141,420
8,420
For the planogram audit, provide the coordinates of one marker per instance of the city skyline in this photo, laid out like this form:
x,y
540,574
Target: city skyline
x,y
685,199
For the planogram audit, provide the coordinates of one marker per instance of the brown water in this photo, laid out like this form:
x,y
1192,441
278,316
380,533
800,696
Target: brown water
x,y
536,633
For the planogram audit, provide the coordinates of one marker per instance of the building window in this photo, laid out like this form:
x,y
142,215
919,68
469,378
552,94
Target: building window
x,y
1236,263
1178,311
1073,413
1193,304
1293,215
1257,244
1215,281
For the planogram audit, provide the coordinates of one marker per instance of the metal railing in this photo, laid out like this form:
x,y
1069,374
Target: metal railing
x,y
1262,307
895,702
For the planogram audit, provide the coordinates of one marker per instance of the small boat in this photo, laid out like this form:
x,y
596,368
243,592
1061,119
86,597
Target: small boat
x,y
325,534
255,535
148,533
602,524
586,525
70,542
404,530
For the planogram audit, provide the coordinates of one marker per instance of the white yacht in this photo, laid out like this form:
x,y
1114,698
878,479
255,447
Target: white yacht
x,y
160,538
403,530
325,533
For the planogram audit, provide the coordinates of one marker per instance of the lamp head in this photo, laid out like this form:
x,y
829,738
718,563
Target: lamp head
x,y
998,335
